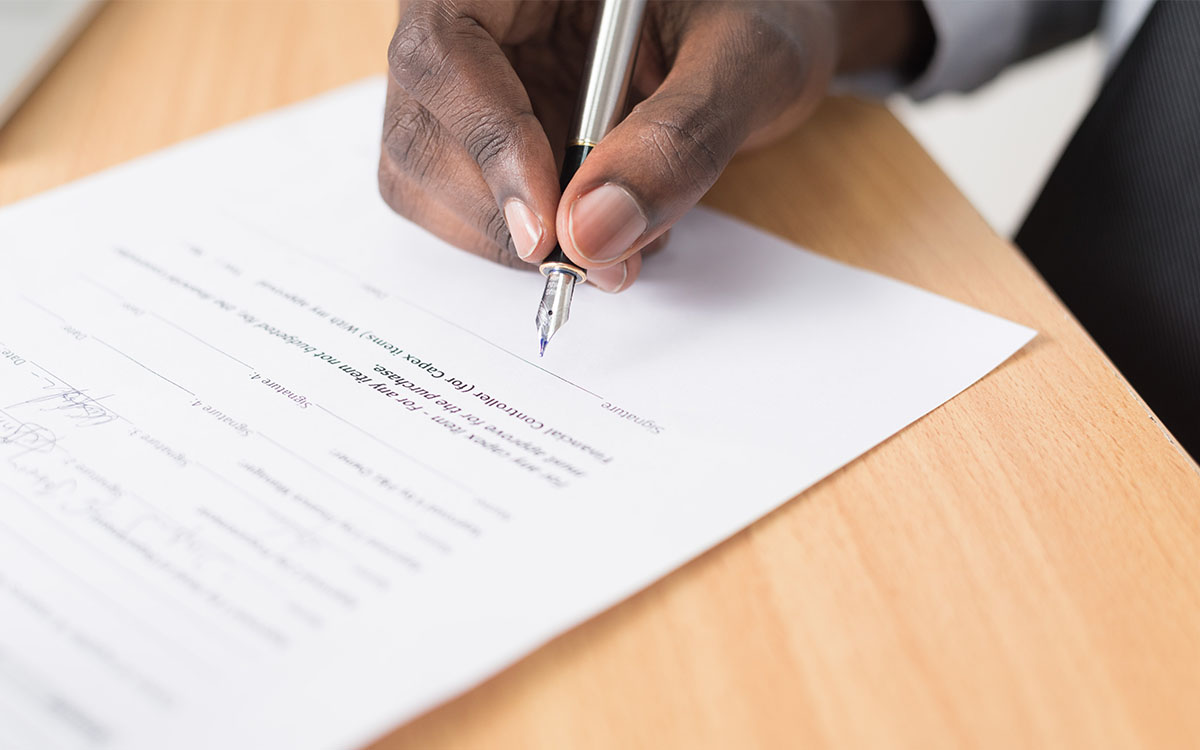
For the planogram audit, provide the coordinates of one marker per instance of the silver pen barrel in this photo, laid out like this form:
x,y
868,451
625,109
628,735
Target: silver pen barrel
x,y
601,100
609,69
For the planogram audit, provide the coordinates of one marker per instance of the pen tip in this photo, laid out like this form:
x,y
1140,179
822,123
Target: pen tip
x,y
542,348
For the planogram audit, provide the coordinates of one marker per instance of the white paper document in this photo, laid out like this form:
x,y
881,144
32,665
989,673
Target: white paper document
x,y
278,469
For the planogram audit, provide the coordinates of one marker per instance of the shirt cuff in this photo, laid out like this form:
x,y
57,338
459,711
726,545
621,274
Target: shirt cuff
x,y
973,41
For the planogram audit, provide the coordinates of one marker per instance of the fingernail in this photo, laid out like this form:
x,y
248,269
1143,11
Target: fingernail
x,y
610,279
524,227
605,223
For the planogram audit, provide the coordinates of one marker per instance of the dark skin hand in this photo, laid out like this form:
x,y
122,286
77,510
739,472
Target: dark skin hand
x,y
482,92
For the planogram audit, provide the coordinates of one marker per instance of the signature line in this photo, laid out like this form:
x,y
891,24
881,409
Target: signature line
x,y
116,295
139,364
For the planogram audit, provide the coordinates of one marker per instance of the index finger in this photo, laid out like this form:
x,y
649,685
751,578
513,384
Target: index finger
x,y
447,58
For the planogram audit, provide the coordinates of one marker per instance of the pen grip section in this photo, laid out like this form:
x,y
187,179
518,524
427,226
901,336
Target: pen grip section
x,y
572,160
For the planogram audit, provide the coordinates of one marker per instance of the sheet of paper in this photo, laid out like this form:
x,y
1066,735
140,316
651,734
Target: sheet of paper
x,y
279,469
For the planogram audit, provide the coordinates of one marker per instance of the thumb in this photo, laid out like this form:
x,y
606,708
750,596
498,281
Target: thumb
x,y
730,77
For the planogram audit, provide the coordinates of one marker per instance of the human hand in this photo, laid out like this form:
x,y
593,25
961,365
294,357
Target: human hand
x,y
482,93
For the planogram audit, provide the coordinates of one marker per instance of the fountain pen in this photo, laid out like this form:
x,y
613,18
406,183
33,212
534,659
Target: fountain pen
x,y
605,83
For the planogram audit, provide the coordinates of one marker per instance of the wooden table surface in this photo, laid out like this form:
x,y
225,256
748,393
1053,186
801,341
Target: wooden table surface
x,y
1020,568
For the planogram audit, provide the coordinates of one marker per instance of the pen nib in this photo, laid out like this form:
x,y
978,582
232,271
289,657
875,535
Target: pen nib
x,y
555,306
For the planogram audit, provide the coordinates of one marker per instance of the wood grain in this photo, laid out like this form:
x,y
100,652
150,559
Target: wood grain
x,y
1021,568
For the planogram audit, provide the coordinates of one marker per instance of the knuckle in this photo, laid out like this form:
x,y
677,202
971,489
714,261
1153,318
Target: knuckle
x,y
410,138
419,51
489,137
485,142
689,146
426,45
426,58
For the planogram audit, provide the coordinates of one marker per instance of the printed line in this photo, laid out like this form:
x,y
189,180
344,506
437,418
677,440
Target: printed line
x,y
71,575
289,245
62,394
187,612
277,515
183,330
354,490
125,301
46,310
266,583
103,288
493,344
61,380
82,392
351,275
397,451
248,569
139,364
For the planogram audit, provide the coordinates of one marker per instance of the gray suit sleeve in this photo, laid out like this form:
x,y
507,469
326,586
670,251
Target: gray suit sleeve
x,y
976,39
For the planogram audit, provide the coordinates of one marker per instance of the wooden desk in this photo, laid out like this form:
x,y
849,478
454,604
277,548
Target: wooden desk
x,y
1020,568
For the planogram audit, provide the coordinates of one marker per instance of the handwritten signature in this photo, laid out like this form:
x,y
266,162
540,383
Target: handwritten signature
x,y
32,437
73,404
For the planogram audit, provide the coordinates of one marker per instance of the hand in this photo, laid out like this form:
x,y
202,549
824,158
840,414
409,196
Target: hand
x,y
482,93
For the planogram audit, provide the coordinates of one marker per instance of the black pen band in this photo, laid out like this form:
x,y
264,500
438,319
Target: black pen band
x,y
572,160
